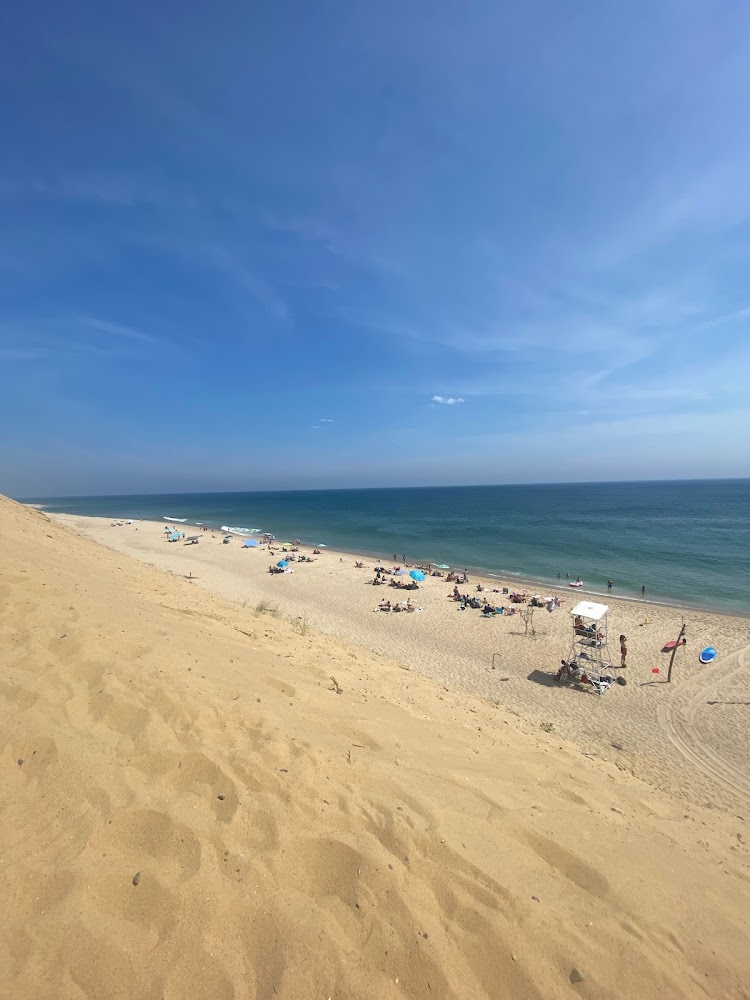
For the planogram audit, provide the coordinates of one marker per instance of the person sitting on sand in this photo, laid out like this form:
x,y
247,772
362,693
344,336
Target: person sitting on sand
x,y
564,673
385,605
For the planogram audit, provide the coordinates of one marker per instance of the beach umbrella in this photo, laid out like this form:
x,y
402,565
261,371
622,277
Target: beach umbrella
x,y
417,574
400,572
250,543
282,564
443,566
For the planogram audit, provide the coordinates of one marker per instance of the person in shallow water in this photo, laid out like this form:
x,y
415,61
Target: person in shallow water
x,y
609,584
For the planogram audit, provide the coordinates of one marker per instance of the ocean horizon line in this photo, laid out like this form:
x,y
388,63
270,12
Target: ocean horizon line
x,y
353,489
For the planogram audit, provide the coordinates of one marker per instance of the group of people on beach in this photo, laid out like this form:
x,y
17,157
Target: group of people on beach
x,y
397,606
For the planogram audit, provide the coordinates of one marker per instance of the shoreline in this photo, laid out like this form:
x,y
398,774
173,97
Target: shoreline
x,y
482,573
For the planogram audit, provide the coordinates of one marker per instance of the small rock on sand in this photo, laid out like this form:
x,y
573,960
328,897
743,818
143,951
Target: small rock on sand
x,y
575,976
136,878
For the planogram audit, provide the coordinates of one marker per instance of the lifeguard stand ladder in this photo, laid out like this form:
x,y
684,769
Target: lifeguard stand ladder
x,y
590,648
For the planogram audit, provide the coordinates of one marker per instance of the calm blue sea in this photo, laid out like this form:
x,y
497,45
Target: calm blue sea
x,y
686,542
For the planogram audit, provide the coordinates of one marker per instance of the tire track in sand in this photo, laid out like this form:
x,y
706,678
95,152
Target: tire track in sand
x,y
679,715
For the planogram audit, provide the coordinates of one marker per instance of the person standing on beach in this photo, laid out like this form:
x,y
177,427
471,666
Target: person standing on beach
x,y
609,584
623,651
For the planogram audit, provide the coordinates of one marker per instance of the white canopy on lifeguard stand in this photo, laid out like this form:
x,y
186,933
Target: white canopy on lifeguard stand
x,y
590,644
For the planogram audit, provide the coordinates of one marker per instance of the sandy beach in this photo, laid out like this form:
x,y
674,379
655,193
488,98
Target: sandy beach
x,y
204,801
657,727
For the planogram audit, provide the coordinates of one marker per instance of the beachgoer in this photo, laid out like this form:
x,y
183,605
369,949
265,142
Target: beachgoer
x,y
643,591
558,576
623,651
609,584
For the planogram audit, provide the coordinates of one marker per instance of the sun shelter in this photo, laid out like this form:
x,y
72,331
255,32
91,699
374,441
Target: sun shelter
x,y
590,647
417,575
250,543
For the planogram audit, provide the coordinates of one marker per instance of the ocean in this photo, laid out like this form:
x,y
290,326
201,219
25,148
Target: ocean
x,y
688,543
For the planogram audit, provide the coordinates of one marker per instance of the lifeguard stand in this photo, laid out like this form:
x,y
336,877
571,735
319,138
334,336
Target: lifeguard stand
x,y
590,649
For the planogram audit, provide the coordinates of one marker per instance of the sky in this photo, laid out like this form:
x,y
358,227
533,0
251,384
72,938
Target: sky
x,y
299,245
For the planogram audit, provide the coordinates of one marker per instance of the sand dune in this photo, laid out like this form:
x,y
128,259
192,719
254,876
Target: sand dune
x,y
191,810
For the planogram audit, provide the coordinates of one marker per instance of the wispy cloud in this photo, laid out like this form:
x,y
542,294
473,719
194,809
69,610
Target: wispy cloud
x,y
121,330
325,420
447,400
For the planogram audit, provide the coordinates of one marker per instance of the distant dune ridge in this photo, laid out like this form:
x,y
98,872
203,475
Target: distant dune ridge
x,y
192,807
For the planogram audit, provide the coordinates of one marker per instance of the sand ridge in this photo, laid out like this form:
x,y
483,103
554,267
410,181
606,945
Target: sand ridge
x,y
399,839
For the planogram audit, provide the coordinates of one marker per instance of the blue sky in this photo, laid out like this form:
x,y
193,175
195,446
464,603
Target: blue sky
x,y
325,244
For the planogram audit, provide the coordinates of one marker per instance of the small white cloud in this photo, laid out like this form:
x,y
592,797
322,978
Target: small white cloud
x,y
447,400
325,420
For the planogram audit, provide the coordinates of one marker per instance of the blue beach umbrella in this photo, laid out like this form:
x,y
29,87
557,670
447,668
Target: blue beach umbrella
x,y
282,564
417,574
250,543
400,572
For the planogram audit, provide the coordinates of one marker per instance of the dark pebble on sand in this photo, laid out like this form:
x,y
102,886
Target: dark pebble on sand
x,y
221,797
536,899
575,976
136,878
20,761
